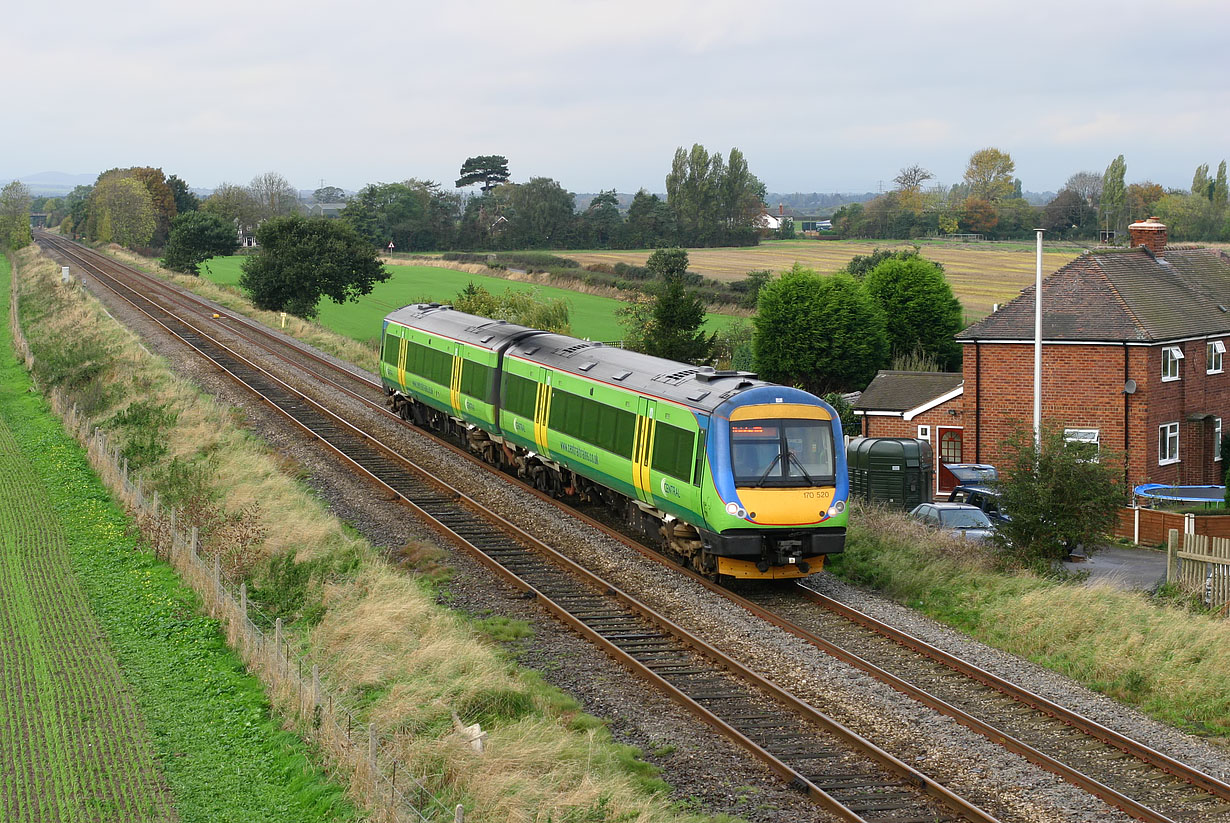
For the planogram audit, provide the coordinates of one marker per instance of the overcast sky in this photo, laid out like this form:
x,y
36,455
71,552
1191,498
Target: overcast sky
x,y
598,95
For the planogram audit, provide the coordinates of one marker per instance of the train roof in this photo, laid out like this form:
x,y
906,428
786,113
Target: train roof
x,y
702,388
699,387
446,321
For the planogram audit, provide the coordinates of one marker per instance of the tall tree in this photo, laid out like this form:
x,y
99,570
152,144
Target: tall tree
x,y
989,174
543,213
1202,184
678,313
185,200
1114,195
1087,184
489,169
195,237
1140,199
274,195
602,220
820,333
713,202
909,186
124,212
77,210
302,259
415,215
650,222
15,215
978,215
1069,215
925,314
1219,196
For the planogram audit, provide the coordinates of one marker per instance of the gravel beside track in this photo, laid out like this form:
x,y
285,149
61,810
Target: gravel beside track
x,y
701,766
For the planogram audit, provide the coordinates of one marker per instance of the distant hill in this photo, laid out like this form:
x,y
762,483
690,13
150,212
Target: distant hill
x,y
52,183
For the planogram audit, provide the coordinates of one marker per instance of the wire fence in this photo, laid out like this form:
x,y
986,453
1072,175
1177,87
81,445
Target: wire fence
x,y
297,689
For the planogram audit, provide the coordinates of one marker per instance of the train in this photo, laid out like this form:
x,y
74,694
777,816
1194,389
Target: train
x,y
730,475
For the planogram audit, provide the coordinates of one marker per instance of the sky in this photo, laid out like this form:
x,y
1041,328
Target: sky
x,y
598,95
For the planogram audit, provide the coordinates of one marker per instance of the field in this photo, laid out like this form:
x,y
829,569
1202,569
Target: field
x,y
981,274
592,316
119,701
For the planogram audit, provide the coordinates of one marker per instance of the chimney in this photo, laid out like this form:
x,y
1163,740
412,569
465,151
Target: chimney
x,y
781,208
1148,233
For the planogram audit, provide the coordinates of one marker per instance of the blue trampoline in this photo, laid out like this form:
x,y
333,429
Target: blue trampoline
x,y
1181,494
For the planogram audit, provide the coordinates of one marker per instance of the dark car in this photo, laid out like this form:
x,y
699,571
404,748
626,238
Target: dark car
x,y
985,498
957,519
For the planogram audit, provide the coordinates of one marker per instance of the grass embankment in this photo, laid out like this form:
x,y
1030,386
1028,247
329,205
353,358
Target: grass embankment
x,y
176,730
1170,661
397,658
592,316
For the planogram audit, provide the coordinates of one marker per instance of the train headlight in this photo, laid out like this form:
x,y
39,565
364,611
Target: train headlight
x,y
732,508
837,508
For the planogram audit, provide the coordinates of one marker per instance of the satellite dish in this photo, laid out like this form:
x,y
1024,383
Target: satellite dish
x,y
1129,387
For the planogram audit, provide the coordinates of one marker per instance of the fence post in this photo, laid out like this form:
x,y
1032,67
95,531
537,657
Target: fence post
x,y
194,540
1135,522
243,604
1172,557
277,633
373,749
459,814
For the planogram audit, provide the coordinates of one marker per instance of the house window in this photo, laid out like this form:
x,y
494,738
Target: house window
x,y
1215,352
924,433
1171,355
1167,443
1216,439
1086,442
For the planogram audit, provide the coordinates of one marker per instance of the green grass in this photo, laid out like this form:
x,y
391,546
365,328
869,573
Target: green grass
x,y
222,754
592,316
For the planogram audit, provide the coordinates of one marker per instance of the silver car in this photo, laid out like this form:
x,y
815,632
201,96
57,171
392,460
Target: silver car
x,y
957,519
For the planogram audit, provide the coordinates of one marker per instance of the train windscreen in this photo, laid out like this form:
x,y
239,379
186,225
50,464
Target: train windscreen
x,y
782,452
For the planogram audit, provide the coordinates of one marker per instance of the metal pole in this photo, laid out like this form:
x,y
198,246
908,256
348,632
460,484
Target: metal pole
x,y
1038,349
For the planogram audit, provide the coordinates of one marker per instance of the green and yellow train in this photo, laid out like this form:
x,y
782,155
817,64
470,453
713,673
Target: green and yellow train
x,y
734,476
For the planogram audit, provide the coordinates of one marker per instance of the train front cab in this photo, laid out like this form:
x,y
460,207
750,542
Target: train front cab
x,y
778,464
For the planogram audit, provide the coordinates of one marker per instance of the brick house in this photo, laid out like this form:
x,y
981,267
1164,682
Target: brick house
x,y
1133,359
925,405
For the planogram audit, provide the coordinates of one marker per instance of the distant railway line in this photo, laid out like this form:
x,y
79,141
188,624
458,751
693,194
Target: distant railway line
x,y
842,772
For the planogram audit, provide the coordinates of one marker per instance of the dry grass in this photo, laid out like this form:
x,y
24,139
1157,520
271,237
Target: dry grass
x,y
980,274
407,664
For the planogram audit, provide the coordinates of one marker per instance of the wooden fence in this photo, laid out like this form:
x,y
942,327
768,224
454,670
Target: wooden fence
x,y
1150,526
1200,564
295,686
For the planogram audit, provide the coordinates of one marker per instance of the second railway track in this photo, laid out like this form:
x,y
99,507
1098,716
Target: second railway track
x,y
1123,772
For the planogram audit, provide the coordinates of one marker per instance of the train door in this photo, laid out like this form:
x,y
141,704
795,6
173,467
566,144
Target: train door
x,y
642,448
403,346
542,410
454,382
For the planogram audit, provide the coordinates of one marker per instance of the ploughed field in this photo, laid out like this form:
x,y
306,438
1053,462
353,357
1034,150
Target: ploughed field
x,y
981,274
73,745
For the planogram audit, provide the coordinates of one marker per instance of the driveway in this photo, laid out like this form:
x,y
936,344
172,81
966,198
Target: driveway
x,y
1124,567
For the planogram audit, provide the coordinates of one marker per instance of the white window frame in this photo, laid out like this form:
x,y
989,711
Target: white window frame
x,y
1167,433
1171,355
1216,439
1215,353
924,433
1086,436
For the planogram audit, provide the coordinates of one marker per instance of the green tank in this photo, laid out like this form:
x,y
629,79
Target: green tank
x,y
893,471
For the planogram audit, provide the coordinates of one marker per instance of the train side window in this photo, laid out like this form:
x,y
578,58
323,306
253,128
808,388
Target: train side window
x,y
391,346
672,451
520,395
475,379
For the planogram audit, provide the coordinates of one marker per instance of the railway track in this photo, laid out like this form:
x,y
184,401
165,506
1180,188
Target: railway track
x,y
834,766
1125,773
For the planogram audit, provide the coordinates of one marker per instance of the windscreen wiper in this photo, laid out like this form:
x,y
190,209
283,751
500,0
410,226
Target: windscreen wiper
x,y
764,476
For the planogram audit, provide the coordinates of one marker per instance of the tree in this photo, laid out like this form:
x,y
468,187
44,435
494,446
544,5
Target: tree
x,y
925,315
415,215
122,212
77,210
15,215
329,194
1140,199
650,222
713,202
1219,194
1059,497
1202,184
274,195
488,169
236,205
989,174
602,220
909,186
1087,184
185,200
820,333
1068,215
978,216
543,213
1114,195
678,313
195,237
302,259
